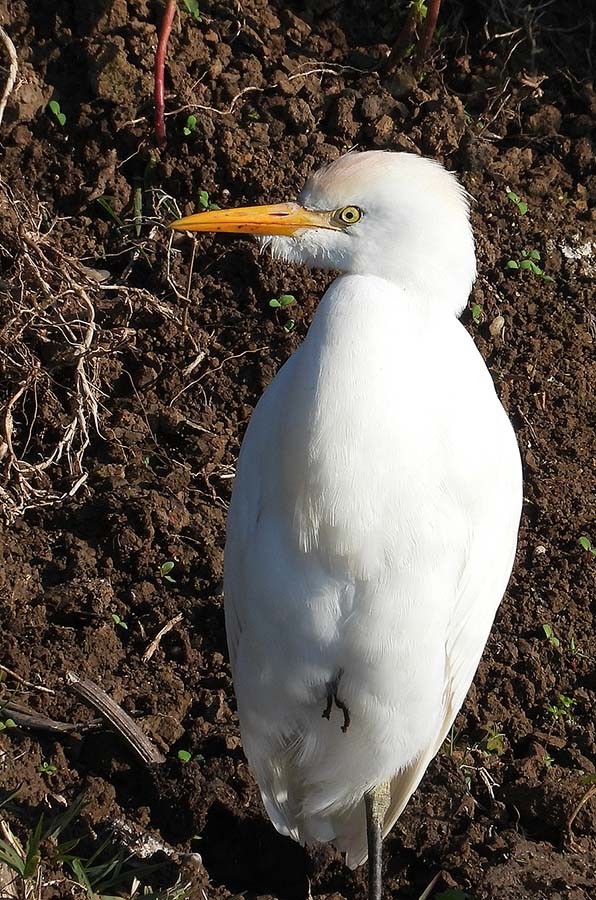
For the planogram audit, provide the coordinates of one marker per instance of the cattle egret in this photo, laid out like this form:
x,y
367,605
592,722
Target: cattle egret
x,y
375,509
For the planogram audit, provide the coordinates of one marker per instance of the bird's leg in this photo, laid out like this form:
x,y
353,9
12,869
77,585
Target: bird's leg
x,y
333,698
344,709
330,695
377,802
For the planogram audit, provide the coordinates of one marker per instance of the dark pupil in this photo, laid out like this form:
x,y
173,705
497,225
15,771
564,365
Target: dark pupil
x,y
349,214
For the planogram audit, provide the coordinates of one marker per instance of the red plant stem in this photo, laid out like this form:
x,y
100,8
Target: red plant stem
x,y
160,63
430,23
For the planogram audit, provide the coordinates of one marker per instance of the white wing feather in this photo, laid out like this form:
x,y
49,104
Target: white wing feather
x,y
370,539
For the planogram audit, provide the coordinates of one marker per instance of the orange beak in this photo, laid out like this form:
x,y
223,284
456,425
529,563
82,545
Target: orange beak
x,y
277,218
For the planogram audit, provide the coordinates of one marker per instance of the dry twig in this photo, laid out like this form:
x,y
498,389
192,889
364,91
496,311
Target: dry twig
x,y
157,639
52,357
12,70
587,796
29,684
136,739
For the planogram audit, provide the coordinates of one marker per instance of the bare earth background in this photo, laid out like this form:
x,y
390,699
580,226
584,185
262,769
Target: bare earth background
x,y
132,393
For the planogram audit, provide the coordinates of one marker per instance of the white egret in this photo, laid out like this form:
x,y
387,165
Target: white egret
x,y
375,509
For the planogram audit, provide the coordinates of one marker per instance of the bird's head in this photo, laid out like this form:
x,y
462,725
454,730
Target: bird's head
x,y
394,215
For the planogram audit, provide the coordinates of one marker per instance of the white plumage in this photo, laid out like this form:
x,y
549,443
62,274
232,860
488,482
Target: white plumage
x,y
375,510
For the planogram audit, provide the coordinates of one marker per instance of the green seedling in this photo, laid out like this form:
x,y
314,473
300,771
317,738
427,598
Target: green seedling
x,y
184,756
494,741
164,571
550,635
204,202
106,204
254,116
192,7
548,760
476,314
137,206
419,7
282,301
7,723
191,125
586,544
529,259
48,857
46,768
574,649
120,622
54,108
563,709
565,198
522,207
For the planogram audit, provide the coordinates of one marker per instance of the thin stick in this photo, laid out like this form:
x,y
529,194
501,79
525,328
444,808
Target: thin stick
x,y
589,793
429,889
157,639
430,23
36,687
34,721
115,715
12,71
160,63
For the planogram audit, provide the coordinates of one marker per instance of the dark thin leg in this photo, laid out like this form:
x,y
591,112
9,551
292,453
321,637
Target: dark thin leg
x,y
344,709
376,802
327,710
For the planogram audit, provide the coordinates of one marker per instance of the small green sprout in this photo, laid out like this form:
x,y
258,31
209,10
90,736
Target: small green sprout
x,y
7,723
522,207
548,760
146,461
563,709
550,635
106,203
184,756
529,259
419,7
282,301
574,649
204,202
54,108
191,124
254,116
192,6
494,741
586,544
164,571
120,622
46,768
476,314
564,197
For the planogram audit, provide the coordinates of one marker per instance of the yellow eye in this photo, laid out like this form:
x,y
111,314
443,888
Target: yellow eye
x,y
349,215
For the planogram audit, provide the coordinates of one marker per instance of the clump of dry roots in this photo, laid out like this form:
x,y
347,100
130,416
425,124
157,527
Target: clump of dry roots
x,y
52,356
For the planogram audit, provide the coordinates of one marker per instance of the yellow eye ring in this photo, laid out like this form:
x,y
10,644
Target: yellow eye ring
x,y
349,215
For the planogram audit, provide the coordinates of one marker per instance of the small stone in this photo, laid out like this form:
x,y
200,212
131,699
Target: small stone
x,y
496,326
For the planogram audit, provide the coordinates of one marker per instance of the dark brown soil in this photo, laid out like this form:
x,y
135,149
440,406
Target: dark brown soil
x,y
507,102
